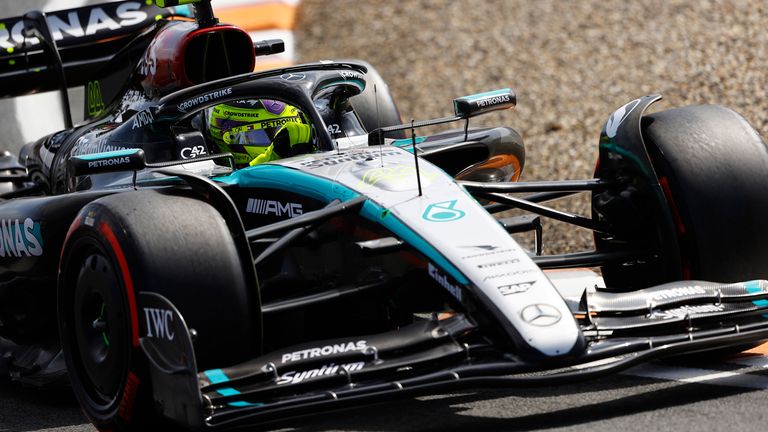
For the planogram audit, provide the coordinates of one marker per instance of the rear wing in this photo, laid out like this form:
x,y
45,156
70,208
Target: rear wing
x,y
87,38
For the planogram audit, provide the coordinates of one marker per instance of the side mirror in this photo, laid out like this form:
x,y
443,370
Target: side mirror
x,y
113,161
269,46
481,103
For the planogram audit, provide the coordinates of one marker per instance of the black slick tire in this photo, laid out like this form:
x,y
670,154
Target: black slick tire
x,y
143,241
713,168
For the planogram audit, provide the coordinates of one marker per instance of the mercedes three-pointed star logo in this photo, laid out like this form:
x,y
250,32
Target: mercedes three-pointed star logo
x,y
542,315
293,76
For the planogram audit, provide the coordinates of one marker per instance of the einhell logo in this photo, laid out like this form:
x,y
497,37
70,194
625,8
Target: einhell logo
x,y
444,282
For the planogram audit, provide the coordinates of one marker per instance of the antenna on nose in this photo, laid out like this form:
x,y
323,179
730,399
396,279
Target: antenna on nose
x,y
415,156
378,124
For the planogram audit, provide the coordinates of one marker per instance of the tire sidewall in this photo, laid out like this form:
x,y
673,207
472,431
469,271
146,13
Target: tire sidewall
x,y
130,408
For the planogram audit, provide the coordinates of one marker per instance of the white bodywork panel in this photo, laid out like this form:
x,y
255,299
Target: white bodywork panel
x,y
446,216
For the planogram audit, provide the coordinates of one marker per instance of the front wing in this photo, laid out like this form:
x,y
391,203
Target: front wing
x,y
439,354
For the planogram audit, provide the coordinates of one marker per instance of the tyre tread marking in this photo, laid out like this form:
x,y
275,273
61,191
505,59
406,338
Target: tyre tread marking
x,y
129,395
131,296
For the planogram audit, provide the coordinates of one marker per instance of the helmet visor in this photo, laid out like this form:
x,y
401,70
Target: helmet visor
x,y
259,133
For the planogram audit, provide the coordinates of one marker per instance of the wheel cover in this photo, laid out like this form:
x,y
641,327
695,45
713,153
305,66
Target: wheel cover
x,y
100,330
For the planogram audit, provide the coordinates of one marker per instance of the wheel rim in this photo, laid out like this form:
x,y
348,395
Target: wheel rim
x,y
100,333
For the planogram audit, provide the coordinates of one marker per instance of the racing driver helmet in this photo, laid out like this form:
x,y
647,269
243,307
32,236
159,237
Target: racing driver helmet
x,y
259,130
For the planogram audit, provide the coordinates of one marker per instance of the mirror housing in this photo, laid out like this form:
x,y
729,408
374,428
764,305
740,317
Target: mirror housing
x,y
481,103
191,145
113,161
268,46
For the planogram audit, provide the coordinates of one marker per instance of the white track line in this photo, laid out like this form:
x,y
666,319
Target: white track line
x,y
751,361
703,376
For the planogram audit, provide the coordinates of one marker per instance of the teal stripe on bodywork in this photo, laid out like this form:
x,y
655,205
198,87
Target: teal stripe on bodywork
x,y
217,376
753,287
288,179
229,391
108,155
376,213
241,404
357,83
408,142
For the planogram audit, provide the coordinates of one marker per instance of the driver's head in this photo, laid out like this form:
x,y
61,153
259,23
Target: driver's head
x,y
259,130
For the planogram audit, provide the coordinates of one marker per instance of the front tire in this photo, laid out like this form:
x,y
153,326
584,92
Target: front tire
x,y
143,241
713,167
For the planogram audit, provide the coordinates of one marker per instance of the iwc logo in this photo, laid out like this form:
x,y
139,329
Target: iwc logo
x,y
542,315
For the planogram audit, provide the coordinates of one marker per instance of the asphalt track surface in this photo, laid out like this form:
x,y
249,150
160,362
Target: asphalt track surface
x,y
704,396
715,395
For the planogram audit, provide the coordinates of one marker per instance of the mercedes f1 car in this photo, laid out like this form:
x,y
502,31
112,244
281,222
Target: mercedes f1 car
x,y
168,286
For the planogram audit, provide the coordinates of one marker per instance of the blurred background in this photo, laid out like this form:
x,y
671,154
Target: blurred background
x,y
570,63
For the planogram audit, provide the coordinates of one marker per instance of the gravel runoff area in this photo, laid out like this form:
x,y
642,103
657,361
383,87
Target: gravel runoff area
x,y
571,64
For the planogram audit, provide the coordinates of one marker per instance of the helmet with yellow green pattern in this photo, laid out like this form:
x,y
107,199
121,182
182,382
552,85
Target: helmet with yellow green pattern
x,y
259,130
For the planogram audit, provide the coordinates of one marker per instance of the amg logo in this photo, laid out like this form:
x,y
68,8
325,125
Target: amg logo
x,y
269,207
109,162
161,321
508,274
295,377
679,292
443,281
19,239
327,350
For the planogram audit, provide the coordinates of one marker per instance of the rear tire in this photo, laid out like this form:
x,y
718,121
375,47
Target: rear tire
x,y
716,168
135,242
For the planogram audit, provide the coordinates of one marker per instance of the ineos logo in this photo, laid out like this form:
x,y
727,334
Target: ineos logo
x,y
293,76
192,152
541,315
